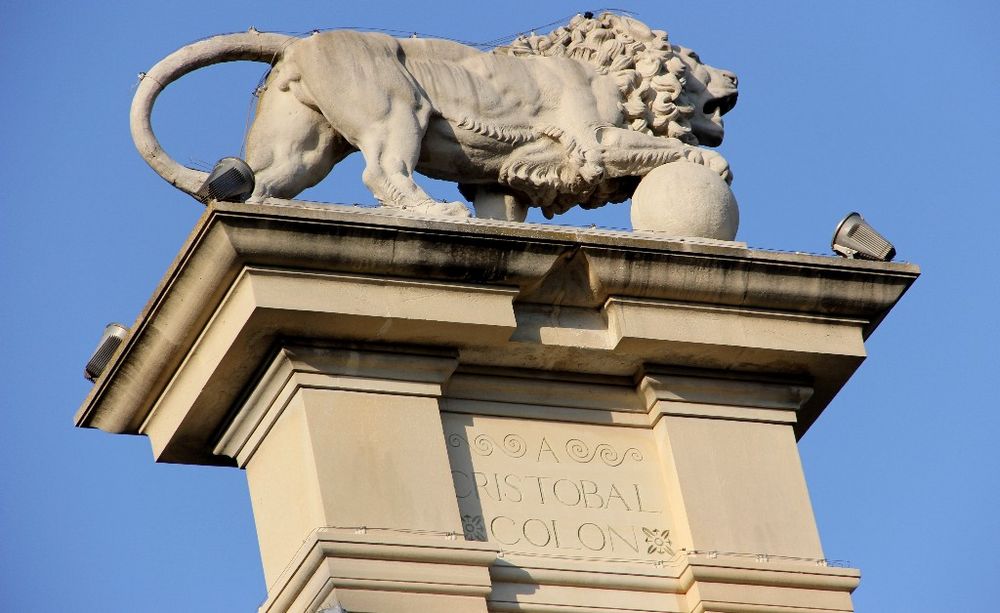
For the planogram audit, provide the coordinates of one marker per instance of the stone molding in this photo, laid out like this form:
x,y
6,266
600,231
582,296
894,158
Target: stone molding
x,y
445,565
615,414
266,306
693,583
517,262
296,367
365,559
722,396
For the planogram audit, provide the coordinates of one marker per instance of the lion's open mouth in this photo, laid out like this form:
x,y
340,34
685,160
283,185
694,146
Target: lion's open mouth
x,y
723,104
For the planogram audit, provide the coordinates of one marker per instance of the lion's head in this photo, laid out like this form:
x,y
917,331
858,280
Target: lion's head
x,y
665,89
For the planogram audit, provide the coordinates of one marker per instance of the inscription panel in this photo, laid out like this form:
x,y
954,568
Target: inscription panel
x,y
558,488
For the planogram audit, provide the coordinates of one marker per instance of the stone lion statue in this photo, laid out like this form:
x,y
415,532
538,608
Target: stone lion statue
x,y
574,117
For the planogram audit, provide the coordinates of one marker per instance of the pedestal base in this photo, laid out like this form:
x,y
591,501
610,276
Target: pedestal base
x,y
469,416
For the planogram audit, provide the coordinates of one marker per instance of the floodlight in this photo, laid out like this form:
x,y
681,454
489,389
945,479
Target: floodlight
x,y
231,180
855,238
113,336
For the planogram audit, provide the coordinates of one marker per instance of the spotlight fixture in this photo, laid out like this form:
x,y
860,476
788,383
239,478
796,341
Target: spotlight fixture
x,y
231,180
855,238
113,336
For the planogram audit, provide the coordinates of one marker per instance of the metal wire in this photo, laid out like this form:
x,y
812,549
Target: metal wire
x,y
486,44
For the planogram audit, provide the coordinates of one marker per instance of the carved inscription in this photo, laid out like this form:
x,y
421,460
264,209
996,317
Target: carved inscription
x,y
563,489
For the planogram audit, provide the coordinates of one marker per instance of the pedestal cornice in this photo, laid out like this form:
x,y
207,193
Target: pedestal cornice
x,y
244,261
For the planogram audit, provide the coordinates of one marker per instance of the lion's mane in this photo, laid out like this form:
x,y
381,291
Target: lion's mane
x,y
649,76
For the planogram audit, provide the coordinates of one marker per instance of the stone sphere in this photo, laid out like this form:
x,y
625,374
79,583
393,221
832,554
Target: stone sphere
x,y
685,199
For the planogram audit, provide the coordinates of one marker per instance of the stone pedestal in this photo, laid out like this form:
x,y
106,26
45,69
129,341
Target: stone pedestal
x,y
482,416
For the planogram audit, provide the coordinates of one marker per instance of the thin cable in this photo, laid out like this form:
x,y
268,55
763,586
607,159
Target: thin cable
x,y
487,44
767,557
500,40
293,36
674,560
250,113
199,164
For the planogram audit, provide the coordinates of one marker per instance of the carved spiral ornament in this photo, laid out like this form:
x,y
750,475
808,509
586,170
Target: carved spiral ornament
x,y
513,445
580,452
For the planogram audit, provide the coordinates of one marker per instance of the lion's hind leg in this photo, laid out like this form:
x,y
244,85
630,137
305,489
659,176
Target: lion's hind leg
x,y
360,85
391,153
290,146
390,145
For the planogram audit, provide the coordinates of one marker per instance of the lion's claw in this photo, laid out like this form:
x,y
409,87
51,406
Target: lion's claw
x,y
711,160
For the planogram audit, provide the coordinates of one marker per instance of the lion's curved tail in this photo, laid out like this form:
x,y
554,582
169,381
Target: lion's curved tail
x,y
251,46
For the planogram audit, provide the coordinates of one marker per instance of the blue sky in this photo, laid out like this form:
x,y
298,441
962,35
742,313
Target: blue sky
x,y
887,108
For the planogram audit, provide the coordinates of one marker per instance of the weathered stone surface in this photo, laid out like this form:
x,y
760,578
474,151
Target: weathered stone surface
x,y
479,415
685,200
505,279
572,117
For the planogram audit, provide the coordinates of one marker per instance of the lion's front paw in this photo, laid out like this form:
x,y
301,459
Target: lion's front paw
x,y
592,169
592,173
710,159
719,164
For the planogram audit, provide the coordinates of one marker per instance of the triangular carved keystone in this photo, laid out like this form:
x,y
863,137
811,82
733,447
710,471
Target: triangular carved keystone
x,y
569,282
